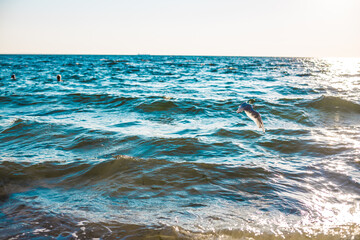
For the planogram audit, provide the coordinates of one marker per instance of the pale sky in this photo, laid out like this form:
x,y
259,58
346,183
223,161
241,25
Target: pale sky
x,y
309,28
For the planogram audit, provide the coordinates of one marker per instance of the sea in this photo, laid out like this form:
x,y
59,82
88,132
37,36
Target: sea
x,y
151,147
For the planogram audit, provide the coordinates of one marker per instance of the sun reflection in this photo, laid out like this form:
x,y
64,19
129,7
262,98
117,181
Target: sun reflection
x,y
344,66
339,75
338,137
331,212
331,206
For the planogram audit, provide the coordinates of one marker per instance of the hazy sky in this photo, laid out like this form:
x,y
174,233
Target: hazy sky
x,y
320,28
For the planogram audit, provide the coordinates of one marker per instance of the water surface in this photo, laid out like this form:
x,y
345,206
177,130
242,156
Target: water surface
x,y
140,147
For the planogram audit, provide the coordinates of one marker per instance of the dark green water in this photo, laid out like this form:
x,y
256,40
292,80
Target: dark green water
x,y
134,147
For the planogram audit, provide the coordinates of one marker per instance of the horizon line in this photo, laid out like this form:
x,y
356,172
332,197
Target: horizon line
x,y
180,55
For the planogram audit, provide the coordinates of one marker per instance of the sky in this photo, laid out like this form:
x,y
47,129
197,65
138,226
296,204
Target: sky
x,y
298,28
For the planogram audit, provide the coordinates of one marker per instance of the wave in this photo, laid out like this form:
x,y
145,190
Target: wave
x,y
291,113
25,100
303,147
22,129
73,102
305,74
98,100
135,197
124,171
248,134
350,75
45,226
157,106
334,104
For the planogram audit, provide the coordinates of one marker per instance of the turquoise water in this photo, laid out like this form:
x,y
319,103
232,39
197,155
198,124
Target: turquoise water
x,y
135,147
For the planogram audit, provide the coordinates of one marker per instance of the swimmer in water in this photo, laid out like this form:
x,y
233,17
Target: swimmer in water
x,y
13,77
58,77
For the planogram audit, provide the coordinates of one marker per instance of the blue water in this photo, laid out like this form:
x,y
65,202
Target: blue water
x,y
135,147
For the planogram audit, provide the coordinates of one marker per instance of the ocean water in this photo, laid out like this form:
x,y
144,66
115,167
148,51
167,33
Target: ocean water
x,y
151,147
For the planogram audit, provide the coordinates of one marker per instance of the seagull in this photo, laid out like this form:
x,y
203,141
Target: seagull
x,y
251,113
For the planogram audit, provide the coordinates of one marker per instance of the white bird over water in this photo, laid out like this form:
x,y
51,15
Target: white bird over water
x,y
252,114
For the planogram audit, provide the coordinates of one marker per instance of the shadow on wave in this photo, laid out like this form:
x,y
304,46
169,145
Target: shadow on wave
x,y
333,104
303,147
128,174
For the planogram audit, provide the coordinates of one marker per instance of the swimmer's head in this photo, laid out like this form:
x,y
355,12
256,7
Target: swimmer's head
x,y
58,77
13,76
